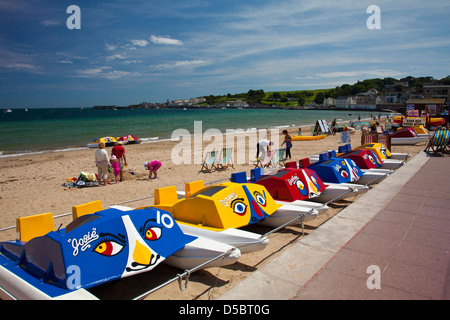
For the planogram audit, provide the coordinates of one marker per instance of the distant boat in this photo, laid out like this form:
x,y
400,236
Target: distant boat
x,y
26,109
307,138
109,141
7,111
129,139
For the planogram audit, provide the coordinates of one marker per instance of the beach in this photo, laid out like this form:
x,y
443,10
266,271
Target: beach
x,y
33,184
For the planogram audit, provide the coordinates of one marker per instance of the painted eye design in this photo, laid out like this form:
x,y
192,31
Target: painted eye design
x,y
371,159
240,208
343,173
301,187
314,181
153,233
260,198
108,248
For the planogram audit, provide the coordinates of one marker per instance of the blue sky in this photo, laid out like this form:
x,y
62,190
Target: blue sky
x,y
131,51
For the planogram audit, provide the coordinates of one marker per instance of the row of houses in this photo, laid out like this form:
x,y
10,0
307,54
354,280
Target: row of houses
x,y
437,96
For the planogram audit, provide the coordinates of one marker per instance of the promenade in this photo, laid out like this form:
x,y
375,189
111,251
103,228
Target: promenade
x,y
391,243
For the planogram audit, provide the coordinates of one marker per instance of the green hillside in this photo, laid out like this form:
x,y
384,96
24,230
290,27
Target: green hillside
x,y
304,97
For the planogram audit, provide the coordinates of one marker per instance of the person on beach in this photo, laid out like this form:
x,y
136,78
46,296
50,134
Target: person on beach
x,y
116,167
288,141
299,131
102,163
261,147
334,127
334,123
119,152
153,168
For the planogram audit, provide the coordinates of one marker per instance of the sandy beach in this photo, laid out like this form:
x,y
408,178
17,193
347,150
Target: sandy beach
x,y
33,184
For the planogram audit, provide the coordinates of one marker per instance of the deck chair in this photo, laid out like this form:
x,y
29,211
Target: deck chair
x,y
277,158
379,129
351,130
34,226
264,160
209,163
225,160
365,129
87,208
439,142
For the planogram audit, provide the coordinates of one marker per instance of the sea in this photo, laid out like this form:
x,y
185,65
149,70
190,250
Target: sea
x,y
24,132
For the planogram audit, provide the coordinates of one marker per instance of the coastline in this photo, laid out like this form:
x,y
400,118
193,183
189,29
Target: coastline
x,y
78,147
72,129
32,184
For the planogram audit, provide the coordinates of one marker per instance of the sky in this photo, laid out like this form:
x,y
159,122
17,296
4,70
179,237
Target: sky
x,y
127,52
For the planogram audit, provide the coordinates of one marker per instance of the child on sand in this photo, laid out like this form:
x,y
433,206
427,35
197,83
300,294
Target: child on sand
x,y
116,167
153,167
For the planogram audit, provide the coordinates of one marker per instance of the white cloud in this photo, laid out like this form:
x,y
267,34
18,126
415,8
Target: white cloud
x,y
188,63
361,73
50,23
105,72
139,43
165,40
185,63
116,74
114,57
110,47
93,71
25,67
15,61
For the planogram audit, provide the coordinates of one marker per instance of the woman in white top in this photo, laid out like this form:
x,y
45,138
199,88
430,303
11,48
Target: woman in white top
x,y
102,162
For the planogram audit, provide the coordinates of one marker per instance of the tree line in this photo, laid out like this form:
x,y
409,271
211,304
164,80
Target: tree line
x,y
302,96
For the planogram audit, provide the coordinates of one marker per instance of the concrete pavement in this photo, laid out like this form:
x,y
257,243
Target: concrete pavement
x,y
400,230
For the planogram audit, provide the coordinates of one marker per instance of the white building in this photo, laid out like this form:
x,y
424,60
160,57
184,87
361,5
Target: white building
x,y
328,102
342,102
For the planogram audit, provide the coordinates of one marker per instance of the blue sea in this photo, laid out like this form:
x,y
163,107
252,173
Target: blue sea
x,y
42,130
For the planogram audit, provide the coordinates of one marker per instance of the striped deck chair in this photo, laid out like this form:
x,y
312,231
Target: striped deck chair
x,y
379,129
209,163
225,160
439,142
277,158
265,160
